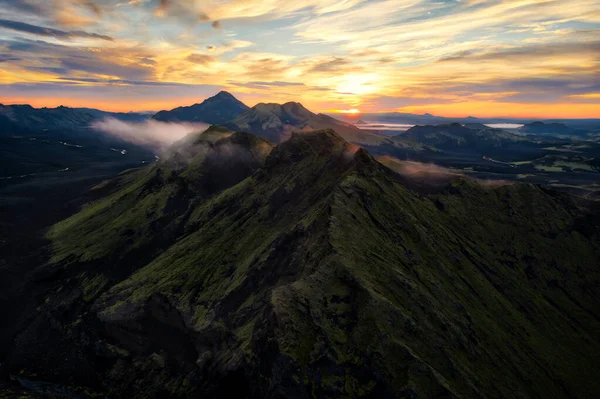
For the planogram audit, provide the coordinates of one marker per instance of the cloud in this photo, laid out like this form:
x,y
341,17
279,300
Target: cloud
x,y
26,6
49,32
111,97
201,59
153,133
182,10
147,61
526,53
432,174
586,96
269,67
117,63
451,55
8,57
47,69
219,10
386,60
333,65
63,12
101,67
95,8
420,171
266,85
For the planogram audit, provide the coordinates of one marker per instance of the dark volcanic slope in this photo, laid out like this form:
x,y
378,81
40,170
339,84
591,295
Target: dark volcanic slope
x,y
318,275
276,122
220,108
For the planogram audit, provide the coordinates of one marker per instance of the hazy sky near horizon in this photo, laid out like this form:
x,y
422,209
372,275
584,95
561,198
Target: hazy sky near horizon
x,y
530,58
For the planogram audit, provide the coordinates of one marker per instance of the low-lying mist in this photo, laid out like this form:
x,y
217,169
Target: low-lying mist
x,y
419,170
433,174
152,133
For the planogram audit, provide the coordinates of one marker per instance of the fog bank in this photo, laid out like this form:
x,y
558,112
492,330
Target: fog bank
x,y
149,132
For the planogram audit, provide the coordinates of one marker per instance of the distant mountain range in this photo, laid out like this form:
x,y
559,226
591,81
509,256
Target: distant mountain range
x,y
552,129
123,116
221,108
456,136
276,122
429,119
273,122
25,118
233,268
40,147
471,141
268,120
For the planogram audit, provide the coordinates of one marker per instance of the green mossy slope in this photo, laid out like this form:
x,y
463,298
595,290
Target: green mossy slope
x,y
320,274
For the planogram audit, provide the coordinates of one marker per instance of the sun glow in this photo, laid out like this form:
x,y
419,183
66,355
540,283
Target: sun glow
x,y
357,84
349,111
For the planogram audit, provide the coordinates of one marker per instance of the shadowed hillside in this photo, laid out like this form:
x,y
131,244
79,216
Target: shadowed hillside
x,y
310,270
220,108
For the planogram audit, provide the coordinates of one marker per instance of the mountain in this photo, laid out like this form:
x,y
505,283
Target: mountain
x,y
48,156
221,108
397,117
476,126
559,129
457,136
37,141
123,116
19,118
310,271
429,119
276,122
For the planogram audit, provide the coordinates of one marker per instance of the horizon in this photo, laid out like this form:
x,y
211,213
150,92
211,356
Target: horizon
x,y
340,113
493,59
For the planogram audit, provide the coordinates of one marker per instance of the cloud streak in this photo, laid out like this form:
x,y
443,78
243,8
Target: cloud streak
x,y
49,32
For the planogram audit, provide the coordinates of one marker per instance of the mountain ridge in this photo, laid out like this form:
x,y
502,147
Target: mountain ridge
x,y
321,274
276,122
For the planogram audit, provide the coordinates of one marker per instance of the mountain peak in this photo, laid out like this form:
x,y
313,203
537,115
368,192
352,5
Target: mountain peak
x,y
323,136
222,95
276,122
301,145
297,109
220,108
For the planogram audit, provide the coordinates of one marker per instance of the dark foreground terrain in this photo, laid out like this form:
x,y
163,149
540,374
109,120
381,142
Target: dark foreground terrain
x,y
233,268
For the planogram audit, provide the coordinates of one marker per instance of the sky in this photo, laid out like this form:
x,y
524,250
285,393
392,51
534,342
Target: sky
x,y
485,58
